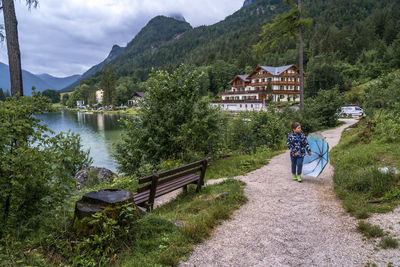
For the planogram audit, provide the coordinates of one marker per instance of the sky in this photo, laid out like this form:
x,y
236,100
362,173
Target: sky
x,y
63,38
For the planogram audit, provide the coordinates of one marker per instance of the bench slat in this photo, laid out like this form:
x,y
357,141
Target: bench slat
x,y
176,176
166,180
173,171
143,197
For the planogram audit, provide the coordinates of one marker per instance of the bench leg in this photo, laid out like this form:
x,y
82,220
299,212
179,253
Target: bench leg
x,y
185,189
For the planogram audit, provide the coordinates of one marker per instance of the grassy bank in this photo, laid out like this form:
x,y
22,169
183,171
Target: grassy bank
x,y
164,237
239,164
357,179
159,242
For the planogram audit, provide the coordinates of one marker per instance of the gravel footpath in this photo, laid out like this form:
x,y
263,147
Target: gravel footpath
x,y
286,223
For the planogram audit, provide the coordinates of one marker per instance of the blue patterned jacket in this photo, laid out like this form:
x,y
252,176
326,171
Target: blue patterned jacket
x,y
298,143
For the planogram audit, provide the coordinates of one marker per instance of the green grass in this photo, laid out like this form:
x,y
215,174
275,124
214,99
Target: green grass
x,y
239,164
357,179
389,242
158,242
369,230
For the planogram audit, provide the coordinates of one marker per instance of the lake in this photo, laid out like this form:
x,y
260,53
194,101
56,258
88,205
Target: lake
x,y
98,132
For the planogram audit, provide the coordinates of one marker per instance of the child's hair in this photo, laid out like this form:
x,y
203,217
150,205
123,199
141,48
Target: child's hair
x,y
295,125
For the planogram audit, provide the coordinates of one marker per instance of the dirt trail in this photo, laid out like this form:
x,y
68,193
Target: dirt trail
x,y
286,223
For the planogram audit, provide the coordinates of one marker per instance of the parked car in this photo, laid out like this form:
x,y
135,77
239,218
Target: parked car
x,y
351,111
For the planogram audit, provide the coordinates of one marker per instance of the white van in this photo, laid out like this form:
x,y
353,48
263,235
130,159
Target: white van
x,y
351,111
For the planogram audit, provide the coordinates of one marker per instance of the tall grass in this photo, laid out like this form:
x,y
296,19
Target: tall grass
x,y
357,179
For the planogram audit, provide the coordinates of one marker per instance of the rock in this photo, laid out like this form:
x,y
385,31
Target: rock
x,y
179,223
388,170
111,206
97,201
92,176
221,195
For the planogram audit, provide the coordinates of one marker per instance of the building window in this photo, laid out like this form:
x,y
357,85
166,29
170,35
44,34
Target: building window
x,y
251,105
240,105
281,87
281,96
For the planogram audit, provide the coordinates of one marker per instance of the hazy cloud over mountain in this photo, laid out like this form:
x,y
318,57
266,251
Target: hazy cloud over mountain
x,y
68,37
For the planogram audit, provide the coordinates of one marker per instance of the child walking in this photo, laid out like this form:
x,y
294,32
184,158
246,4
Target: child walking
x,y
298,145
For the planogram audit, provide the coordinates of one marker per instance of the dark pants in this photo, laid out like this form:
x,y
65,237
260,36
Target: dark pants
x,y
297,162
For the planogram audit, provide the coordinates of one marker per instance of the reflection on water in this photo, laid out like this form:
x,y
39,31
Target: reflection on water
x,y
97,131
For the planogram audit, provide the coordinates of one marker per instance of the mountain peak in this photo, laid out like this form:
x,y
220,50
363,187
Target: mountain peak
x,y
248,2
177,16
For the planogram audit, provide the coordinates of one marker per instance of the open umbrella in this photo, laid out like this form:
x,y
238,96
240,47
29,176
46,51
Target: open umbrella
x,y
313,165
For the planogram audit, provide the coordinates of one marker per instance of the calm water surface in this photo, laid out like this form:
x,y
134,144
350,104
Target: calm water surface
x,y
97,131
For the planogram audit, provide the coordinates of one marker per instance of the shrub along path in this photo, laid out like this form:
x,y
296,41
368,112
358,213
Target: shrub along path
x,y
286,223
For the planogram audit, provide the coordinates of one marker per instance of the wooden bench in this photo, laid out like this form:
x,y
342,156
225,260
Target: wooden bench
x,y
162,183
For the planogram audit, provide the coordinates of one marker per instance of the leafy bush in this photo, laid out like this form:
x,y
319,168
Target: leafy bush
x,y
383,94
252,130
369,230
37,170
324,107
173,123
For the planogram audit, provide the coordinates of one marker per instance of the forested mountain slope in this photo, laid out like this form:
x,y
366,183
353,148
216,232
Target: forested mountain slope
x,y
350,41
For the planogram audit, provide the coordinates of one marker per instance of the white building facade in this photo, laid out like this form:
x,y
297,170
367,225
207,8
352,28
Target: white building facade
x,y
265,84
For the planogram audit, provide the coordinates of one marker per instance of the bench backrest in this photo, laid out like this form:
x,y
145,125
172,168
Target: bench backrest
x,y
166,176
151,182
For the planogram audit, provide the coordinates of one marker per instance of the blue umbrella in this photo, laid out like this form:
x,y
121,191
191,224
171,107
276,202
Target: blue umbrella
x,y
313,165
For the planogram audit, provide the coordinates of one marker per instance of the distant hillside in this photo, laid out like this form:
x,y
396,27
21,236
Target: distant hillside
x,y
115,51
349,41
40,82
28,80
58,83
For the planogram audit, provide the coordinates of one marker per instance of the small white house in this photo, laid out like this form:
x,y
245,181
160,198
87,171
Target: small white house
x,y
80,103
99,95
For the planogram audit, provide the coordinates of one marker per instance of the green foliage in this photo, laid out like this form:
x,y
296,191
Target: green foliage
x,y
369,230
389,242
38,170
108,85
104,234
325,106
240,164
65,99
357,178
173,123
252,130
383,94
52,95
284,27
322,75
2,96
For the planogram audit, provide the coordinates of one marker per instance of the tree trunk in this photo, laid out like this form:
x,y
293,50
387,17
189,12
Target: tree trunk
x,y
14,54
301,61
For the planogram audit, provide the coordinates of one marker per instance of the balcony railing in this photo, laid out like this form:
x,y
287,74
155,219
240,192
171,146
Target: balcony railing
x,y
238,101
242,92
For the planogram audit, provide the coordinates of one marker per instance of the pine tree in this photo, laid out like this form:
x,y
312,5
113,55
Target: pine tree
x,y
2,96
14,54
108,84
284,27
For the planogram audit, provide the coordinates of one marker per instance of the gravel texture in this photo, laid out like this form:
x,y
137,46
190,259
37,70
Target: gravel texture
x,y
286,223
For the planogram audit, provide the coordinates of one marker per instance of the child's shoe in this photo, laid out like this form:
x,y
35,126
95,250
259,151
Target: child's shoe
x,y
298,178
294,177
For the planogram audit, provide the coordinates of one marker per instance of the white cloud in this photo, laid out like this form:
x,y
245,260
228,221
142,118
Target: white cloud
x,y
68,37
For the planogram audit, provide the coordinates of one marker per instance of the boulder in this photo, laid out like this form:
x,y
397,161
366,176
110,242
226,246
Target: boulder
x,y
111,206
97,201
92,176
389,170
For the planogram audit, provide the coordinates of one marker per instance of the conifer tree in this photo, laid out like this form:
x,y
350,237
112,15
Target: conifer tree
x,y
108,84
14,54
286,26
2,96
